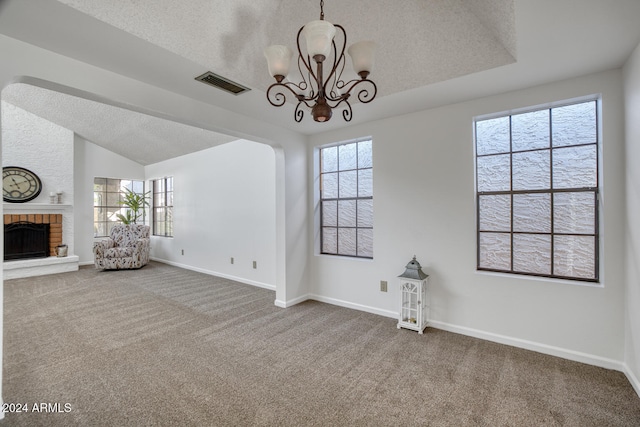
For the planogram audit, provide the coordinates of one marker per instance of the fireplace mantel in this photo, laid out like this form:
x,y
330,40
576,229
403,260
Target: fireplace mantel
x,y
33,207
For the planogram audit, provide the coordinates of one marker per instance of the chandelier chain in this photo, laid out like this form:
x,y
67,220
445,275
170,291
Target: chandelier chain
x,y
322,10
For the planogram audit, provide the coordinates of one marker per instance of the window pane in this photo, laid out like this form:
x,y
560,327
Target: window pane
x,y
347,241
113,199
347,157
365,154
158,186
493,173
365,242
158,199
170,198
99,198
329,186
492,136
137,186
495,213
365,213
575,167
530,130
347,213
532,213
113,185
329,159
365,183
495,251
574,124
99,184
160,228
574,256
532,253
574,213
348,184
330,240
99,229
531,170
330,213
99,214
169,184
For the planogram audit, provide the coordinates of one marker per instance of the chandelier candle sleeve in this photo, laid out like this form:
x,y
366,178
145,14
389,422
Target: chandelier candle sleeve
x,y
278,60
319,36
362,56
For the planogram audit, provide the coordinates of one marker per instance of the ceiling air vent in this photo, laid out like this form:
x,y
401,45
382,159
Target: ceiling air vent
x,y
220,82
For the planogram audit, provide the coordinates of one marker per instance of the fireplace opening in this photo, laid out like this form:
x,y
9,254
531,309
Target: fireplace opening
x,y
26,240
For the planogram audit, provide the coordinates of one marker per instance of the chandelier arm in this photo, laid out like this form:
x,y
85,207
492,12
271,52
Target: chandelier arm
x,y
307,63
278,97
363,93
347,113
338,60
298,114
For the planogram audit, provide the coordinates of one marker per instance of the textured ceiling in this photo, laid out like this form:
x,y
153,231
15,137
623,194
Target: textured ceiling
x,y
142,138
434,40
430,53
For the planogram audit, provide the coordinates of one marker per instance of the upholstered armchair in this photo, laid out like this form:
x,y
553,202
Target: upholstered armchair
x,y
127,247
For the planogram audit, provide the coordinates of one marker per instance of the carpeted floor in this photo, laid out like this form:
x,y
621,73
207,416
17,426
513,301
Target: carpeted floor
x,y
165,346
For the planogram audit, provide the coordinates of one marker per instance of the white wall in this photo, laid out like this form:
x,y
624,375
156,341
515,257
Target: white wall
x,y
224,206
424,204
632,230
22,62
46,149
93,161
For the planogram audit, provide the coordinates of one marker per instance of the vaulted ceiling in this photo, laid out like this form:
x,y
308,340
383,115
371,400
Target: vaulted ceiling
x,y
430,53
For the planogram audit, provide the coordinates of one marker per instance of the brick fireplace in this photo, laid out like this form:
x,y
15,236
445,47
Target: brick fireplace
x,y
54,221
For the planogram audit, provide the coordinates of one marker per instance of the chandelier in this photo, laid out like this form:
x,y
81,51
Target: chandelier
x,y
316,92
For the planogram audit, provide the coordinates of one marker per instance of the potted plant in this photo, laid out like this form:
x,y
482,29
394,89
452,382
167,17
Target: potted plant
x,y
135,204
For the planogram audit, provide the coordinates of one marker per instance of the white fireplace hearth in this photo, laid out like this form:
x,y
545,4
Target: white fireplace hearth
x,y
39,266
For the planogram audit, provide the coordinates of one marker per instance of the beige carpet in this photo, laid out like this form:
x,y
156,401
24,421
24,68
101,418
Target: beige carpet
x,y
165,346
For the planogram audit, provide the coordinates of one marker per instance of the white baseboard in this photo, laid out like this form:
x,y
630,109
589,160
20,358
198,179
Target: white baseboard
x,y
576,356
635,383
354,306
218,274
291,302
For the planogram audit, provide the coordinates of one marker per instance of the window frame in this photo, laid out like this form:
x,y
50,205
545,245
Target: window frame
x,y
552,233
117,208
165,206
323,200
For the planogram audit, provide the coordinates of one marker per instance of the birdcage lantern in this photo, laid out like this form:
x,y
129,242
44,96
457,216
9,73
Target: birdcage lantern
x,y
413,297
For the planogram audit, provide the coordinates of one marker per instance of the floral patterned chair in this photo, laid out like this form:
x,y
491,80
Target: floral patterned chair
x,y
128,247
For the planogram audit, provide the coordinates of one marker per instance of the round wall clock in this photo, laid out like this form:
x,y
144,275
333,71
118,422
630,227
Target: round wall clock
x,y
19,185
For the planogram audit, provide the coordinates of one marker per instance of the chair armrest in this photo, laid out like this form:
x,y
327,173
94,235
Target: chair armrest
x,y
101,245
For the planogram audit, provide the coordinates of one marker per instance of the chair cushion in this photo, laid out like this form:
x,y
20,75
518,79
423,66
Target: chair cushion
x,y
118,252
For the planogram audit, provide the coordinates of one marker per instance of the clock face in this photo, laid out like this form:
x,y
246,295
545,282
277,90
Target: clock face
x,y
19,185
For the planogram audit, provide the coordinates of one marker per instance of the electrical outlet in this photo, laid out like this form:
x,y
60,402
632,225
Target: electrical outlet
x,y
231,260
383,286
255,264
